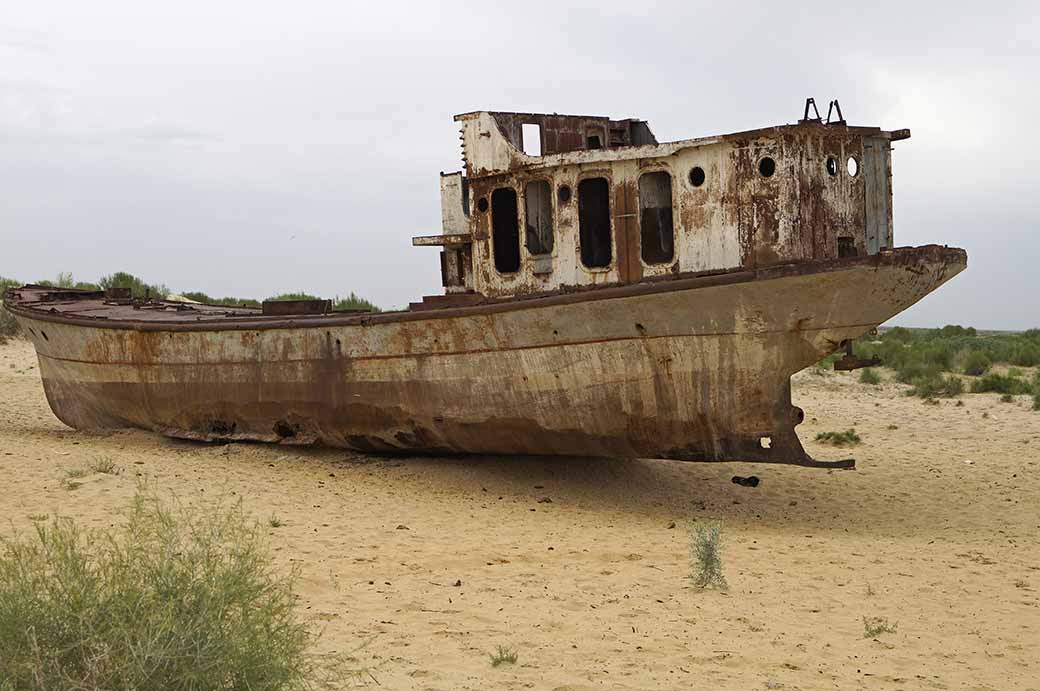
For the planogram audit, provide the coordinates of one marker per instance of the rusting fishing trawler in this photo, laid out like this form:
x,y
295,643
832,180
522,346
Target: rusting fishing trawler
x,y
605,295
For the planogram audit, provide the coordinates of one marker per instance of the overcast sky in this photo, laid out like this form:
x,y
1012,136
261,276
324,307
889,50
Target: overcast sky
x,y
250,148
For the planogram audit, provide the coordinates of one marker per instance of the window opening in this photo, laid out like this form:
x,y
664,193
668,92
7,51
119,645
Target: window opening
x,y
594,222
657,236
505,229
538,217
531,135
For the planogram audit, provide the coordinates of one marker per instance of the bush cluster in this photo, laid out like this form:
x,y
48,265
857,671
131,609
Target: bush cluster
x,y
8,325
929,359
174,599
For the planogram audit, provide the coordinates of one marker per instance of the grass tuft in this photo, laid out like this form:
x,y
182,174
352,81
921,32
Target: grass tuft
x,y
875,626
275,522
869,376
706,556
846,438
503,656
105,466
172,599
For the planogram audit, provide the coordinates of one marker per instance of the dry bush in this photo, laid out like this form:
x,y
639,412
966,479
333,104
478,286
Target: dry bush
x,y
706,556
174,599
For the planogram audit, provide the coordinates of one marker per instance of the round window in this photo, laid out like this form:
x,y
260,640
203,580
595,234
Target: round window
x,y
766,167
697,176
832,166
564,194
853,166
482,204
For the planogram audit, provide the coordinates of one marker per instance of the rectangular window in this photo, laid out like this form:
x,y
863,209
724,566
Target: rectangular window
x,y
538,216
531,136
594,222
657,236
505,230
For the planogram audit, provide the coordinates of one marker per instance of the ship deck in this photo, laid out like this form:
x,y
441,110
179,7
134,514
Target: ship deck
x,y
93,308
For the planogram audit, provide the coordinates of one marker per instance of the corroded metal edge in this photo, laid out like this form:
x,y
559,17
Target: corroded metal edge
x,y
696,375
569,295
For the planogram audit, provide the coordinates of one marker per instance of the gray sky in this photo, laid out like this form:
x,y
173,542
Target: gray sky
x,y
250,148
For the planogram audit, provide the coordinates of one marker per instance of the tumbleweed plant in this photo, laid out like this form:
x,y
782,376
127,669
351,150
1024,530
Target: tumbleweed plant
x,y
174,599
706,556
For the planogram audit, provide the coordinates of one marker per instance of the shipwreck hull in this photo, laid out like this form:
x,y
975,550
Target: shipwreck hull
x,y
691,368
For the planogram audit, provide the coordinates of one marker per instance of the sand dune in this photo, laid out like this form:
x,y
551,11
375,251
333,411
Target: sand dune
x,y
576,564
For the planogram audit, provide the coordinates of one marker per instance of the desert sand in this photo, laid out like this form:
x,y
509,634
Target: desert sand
x,y
582,566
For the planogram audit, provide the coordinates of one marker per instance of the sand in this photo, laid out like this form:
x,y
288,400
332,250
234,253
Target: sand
x,y
583,566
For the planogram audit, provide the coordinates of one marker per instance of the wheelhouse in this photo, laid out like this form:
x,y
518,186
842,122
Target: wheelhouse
x,y
549,202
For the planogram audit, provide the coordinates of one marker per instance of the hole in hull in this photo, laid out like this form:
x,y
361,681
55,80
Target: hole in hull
x,y
284,430
221,427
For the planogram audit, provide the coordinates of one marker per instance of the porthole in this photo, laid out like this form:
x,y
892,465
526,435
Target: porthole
x,y
832,166
482,204
563,194
853,166
697,176
766,167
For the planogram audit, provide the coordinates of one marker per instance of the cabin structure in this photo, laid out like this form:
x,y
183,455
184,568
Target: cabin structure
x,y
549,202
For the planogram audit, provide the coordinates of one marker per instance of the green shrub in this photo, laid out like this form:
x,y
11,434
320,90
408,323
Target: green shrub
x,y
916,370
65,280
1000,383
977,363
937,386
951,330
138,288
1026,355
225,301
173,600
848,437
8,325
293,296
869,376
898,333
826,365
706,555
354,302
351,302
914,351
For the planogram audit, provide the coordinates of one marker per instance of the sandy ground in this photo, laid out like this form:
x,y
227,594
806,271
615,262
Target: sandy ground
x,y
937,531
